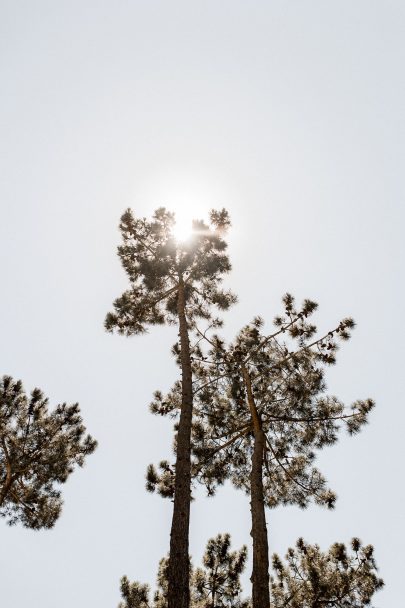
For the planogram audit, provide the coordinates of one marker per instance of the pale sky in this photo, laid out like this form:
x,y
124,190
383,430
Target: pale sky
x,y
288,113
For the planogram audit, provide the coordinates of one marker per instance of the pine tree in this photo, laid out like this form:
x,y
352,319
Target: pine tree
x,y
215,585
309,578
336,578
38,451
260,413
176,283
134,595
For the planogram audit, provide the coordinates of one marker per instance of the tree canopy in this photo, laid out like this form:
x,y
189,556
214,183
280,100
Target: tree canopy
x,y
156,263
39,449
286,382
339,578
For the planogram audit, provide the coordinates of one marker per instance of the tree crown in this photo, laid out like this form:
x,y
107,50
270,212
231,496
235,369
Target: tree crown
x,y
285,373
335,578
39,449
157,265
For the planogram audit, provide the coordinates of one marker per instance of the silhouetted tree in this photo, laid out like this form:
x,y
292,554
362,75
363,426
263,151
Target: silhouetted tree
x,y
336,578
176,283
38,451
260,412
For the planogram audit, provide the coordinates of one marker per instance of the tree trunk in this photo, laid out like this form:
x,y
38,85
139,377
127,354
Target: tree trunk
x,y
214,588
9,478
4,492
178,587
260,571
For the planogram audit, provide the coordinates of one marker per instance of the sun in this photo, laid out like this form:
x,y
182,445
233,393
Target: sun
x,y
183,228
184,216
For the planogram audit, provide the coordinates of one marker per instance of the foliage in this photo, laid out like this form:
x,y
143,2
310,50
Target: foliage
x,y
256,408
215,585
308,578
260,415
155,261
287,371
134,595
336,578
39,449
162,584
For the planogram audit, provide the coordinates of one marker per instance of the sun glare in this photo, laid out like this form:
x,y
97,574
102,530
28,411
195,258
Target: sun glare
x,y
182,229
184,216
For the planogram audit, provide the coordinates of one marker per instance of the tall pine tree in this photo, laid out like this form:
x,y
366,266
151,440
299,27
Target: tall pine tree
x,y
260,413
39,449
176,283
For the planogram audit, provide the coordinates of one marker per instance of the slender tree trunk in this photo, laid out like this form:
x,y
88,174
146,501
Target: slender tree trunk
x,y
214,588
9,479
178,588
260,571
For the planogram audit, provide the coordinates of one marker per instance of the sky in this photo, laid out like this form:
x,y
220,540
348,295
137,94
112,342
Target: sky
x,y
289,114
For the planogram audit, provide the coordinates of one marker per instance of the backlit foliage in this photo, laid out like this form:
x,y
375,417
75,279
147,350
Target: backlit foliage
x,y
155,261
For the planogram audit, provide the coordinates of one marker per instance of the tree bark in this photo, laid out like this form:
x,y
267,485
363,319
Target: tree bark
x,y
9,478
214,588
178,584
260,571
